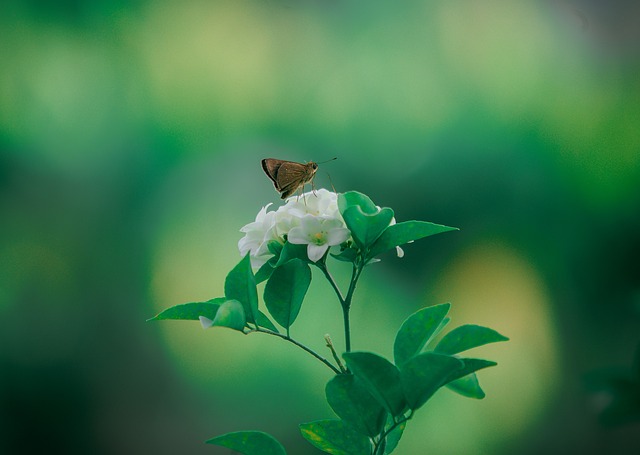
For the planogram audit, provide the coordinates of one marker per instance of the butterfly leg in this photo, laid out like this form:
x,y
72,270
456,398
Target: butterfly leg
x,y
331,182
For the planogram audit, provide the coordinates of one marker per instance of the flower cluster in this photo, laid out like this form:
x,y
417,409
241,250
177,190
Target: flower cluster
x,y
312,219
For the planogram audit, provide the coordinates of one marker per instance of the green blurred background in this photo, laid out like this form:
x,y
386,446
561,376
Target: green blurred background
x,y
130,141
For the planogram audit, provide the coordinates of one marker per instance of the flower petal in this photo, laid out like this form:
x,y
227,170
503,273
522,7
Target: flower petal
x,y
337,236
298,236
316,252
206,322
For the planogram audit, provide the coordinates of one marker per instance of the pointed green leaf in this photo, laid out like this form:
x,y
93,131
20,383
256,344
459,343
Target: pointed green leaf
x,y
393,438
353,199
249,443
292,251
264,321
265,271
240,285
465,381
335,437
380,377
467,386
231,315
417,330
424,374
275,247
466,337
346,255
405,232
471,366
351,401
430,344
366,228
285,291
191,311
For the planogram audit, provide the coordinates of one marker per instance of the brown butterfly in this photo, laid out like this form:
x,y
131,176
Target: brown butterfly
x,y
289,176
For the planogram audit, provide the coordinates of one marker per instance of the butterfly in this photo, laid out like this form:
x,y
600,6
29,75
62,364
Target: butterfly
x,y
289,176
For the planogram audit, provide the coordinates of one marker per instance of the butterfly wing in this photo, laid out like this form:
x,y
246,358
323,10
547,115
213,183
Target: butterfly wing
x,y
270,166
288,176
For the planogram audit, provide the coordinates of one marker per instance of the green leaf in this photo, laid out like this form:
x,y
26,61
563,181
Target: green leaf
x,y
393,438
346,255
266,270
366,227
424,374
292,251
380,377
249,443
417,330
467,386
335,437
470,366
191,311
231,315
351,401
405,232
264,321
240,285
466,337
432,341
285,291
465,381
275,247
356,199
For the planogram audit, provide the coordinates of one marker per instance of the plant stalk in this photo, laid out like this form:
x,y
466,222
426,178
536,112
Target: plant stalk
x,y
302,346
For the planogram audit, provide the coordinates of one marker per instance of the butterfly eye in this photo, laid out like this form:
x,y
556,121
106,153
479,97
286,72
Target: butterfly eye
x,y
315,166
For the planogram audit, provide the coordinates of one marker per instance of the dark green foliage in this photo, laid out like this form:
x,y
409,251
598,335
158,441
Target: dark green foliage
x,y
264,321
231,315
249,443
240,285
366,228
467,337
351,401
285,291
335,437
380,377
292,251
424,374
191,311
417,330
405,232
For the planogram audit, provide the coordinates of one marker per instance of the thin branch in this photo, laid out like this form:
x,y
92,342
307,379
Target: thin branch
x,y
327,338
383,436
302,346
322,266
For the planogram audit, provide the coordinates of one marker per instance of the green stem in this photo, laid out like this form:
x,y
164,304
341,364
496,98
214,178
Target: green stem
x,y
322,266
347,328
345,302
302,346
377,445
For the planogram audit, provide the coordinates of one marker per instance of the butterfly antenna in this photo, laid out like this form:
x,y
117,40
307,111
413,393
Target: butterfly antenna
x,y
332,159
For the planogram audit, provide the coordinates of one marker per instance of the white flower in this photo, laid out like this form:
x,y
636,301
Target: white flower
x,y
318,234
321,206
317,203
257,236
